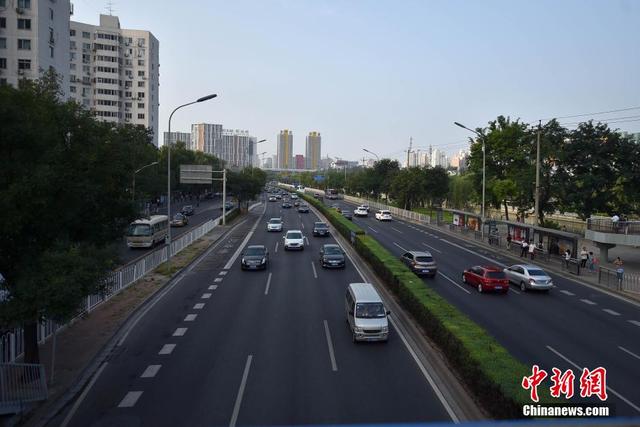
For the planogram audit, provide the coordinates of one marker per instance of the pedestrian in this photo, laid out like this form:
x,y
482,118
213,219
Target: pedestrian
x,y
508,240
584,256
625,224
525,246
615,219
532,249
619,270
567,257
591,263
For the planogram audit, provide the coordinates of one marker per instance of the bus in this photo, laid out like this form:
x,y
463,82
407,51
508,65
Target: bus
x,y
146,232
331,194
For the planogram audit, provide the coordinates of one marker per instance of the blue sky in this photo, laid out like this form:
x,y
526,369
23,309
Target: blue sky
x,y
373,73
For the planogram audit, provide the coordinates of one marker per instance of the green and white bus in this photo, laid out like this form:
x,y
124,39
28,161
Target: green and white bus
x,y
146,232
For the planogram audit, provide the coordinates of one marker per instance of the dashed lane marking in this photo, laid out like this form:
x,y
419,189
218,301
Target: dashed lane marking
x,y
130,399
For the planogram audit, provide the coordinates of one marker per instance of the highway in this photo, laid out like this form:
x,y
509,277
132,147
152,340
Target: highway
x,y
572,326
231,347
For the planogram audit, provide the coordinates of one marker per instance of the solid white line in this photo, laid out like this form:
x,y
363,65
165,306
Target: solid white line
x,y
190,317
206,296
306,240
76,405
615,393
167,349
634,322
393,228
399,246
179,332
217,280
334,365
222,273
243,383
454,282
276,249
266,289
586,301
130,399
302,224
198,306
432,248
630,352
474,253
212,287
611,312
242,245
567,293
313,266
151,371
373,229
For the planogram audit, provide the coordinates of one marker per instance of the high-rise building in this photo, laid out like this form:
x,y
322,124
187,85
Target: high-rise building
x,y
34,37
300,161
237,148
313,150
285,149
268,163
205,137
115,72
439,158
174,137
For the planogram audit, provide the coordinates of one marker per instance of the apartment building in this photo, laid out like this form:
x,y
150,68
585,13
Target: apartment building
x,y
236,147
313,152
173,137
300,161
34,37
115,72
205,137
285,149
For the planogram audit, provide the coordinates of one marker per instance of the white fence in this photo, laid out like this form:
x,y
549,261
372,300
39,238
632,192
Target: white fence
x,y
12,342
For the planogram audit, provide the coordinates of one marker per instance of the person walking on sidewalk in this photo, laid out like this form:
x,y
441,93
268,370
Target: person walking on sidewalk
x,y
619,270
508,240
532,249
525,246
591,263
584,256
567,257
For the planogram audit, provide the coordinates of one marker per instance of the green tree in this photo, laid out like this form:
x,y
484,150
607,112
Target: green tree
x,y
246,184
461,191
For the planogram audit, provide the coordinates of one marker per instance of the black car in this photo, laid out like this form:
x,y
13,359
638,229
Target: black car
x,y
348,215
303,209
228,206
187,210
332,256
255,257
320,229
286,205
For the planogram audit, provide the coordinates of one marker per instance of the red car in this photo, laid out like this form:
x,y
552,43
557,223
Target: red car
x,y
487,278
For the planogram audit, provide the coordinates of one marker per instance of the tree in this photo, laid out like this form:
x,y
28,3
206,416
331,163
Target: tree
x,y
383,173
461,191
64,195
246,184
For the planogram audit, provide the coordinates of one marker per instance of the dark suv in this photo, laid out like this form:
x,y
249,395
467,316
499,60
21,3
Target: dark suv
x,y
320,229
255,257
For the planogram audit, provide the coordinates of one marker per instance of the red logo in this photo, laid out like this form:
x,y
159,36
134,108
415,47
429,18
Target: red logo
x,y
594,382
532,382
562,383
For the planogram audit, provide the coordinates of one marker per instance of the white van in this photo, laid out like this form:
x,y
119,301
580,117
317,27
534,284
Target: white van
x,y
366,313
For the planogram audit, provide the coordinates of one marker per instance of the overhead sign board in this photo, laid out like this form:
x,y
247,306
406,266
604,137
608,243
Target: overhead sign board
x,y
318,178
196,174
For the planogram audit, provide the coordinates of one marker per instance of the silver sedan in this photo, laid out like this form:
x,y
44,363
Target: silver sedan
x,y
529,277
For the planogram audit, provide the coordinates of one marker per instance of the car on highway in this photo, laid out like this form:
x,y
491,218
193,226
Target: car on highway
x,y
337,208
272,198
294,196
528,276
274,224
303,208
187,210
420,262
278,197
286,205
332,256
366,313
320,229
365,206
486,278
147,232
179,220
296,203
254,257
347,215
360,211
383,215
294,239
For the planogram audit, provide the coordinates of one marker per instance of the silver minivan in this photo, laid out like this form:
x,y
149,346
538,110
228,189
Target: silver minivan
x,y
366,314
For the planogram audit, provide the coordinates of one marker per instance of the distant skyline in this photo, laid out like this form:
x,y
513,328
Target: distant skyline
x,y
372,74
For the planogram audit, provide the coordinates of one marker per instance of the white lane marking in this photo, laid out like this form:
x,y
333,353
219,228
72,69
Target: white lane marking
x,y
276,249
266,289
315,273
474,253
151,371
243,383
198,306
222,273
302,224
615,393
76,405
373,229
306,240
206,296
395,229
634,322
190,317
432,248
242,245
454,282
179,332
513,290
332,356
167,349
611,312
629,351
212,287
399,246
217,280
130,399
586,301
567,293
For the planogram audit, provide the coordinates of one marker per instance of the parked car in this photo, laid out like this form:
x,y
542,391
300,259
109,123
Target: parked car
x,y
274,224
347,215
179,220
487,278
360,211
188,210
254,257
528,276
366,313
320,229
420,262
303,208
293,240
383,215
286,205
332,256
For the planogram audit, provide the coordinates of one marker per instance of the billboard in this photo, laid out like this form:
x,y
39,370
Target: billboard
x,y
196,174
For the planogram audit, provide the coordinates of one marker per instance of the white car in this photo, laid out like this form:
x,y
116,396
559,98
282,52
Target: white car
x,y
294,196
293,240
529,277
383,216
360,211
365,207
274,224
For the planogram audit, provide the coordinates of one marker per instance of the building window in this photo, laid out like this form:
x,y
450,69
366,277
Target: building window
x,y
3,63
127,104
24,4
3,3
51,52
3,42
86,35
86,46
72,45
72,33
140,104
141,116
24,24
24,64
24,44
128,94
141,73
51,39
127,84
141,62
72,89
72,56
86,69
127,116
72,66
140,84
140,94
3,22
51,14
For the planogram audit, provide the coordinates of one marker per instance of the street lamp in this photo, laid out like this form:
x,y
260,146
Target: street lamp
x,y
204,98
371,152
482,138
133,191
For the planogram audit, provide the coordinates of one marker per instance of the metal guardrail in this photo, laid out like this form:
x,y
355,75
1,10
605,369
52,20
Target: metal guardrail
x,y
622,282
12,342
606,225
21,383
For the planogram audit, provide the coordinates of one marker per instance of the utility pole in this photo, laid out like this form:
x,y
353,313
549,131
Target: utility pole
x,y
537,208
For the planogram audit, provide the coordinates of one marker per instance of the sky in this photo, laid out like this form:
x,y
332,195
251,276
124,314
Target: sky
x,y
371,74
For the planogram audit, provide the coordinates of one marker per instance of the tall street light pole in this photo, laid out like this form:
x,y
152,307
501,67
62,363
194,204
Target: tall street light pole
x,y
537,208
204,98
371,152
484,157
133,191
